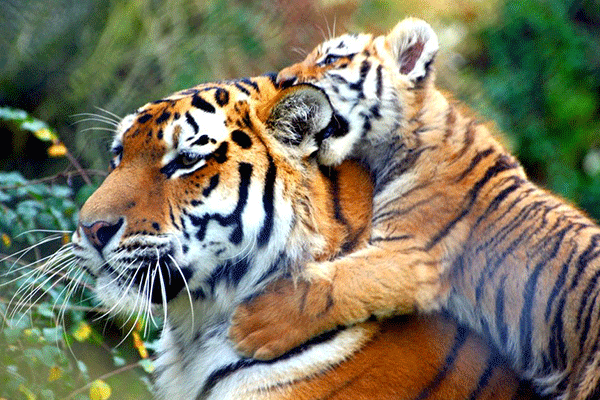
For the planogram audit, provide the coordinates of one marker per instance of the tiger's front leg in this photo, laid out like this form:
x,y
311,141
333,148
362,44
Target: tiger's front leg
x,y
376,281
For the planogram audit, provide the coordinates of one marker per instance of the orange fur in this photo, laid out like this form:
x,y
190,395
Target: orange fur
x,y
456,226
398,358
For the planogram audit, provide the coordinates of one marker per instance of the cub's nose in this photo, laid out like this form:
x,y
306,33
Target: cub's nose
x,y
99,233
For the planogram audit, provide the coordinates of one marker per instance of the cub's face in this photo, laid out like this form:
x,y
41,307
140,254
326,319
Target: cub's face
x,y
202,187
370,82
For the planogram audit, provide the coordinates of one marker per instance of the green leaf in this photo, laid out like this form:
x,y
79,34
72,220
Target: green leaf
x,y
45,309
12,114
47,394
53,335
49,355
12,334
147,365
11,178
60,191
83,369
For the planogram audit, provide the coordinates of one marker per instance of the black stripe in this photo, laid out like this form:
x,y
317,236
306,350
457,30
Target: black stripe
x,y
272,77
352,241
587,320
221,97
474,161
241,88
585,296
459,341
557,344
192,122
220,154
492,362
396,168
390,238
250,83
241,138
501,326
228,370
529,293
379,81
214,181
503,163
281,264
560,282
494,263
231,273
172,216
235,218
144,118
334,189
589,254
509,229
199,102
524,391
163,117
358,85
468,140
201,141
268,203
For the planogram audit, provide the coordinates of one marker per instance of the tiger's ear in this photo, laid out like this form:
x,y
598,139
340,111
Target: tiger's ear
x,y
299,115
413,44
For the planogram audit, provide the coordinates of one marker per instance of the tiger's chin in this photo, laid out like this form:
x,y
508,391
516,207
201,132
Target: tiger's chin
x,y
148,288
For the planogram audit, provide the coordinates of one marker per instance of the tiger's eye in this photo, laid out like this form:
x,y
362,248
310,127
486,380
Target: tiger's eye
x,y
188,159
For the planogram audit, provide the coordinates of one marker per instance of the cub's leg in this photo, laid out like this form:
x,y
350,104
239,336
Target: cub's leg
x,y
378,281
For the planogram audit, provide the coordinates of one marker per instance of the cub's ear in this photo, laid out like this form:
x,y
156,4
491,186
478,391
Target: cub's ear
x,y
298,117
413,44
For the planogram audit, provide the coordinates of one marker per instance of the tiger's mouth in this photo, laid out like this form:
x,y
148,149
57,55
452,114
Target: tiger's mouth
x,y
159,280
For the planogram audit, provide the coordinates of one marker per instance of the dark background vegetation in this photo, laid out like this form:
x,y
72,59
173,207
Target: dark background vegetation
x,y
533,66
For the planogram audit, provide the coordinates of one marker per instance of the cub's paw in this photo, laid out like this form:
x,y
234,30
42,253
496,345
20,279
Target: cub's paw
x,y
283,317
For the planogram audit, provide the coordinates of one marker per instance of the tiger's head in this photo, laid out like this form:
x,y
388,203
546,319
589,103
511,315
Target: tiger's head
x,y
208,195
371,83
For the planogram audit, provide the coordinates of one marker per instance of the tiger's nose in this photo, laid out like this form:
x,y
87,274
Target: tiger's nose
x,y
99,233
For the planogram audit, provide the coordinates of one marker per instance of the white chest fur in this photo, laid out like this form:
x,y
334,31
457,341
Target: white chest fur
x,y
208,368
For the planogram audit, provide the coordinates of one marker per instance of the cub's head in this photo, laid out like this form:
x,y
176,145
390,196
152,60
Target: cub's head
x,y
370,82
207,194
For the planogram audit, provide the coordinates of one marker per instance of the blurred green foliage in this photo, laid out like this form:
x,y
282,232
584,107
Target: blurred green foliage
x,y
539,66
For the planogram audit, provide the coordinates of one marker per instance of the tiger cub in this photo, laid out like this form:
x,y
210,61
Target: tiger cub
x,y
456,225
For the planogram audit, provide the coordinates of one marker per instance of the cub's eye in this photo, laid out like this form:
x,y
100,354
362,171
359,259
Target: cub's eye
x,y
330,59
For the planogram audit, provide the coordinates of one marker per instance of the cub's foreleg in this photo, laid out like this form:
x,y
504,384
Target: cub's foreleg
x,y
378,280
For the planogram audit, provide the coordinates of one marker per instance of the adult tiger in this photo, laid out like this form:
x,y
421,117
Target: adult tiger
x,y
213,193
456,225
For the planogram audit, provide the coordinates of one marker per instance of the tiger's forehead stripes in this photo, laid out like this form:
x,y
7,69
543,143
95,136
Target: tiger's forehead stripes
x,y
344,45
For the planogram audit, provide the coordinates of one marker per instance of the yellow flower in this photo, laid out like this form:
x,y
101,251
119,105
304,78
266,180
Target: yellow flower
x,y
138,343
28,393
6,240
82,332
46,135
66,238
55,374
57,150
99,390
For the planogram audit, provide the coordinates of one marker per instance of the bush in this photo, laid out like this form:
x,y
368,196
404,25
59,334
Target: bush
x,y
540,68
50,322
